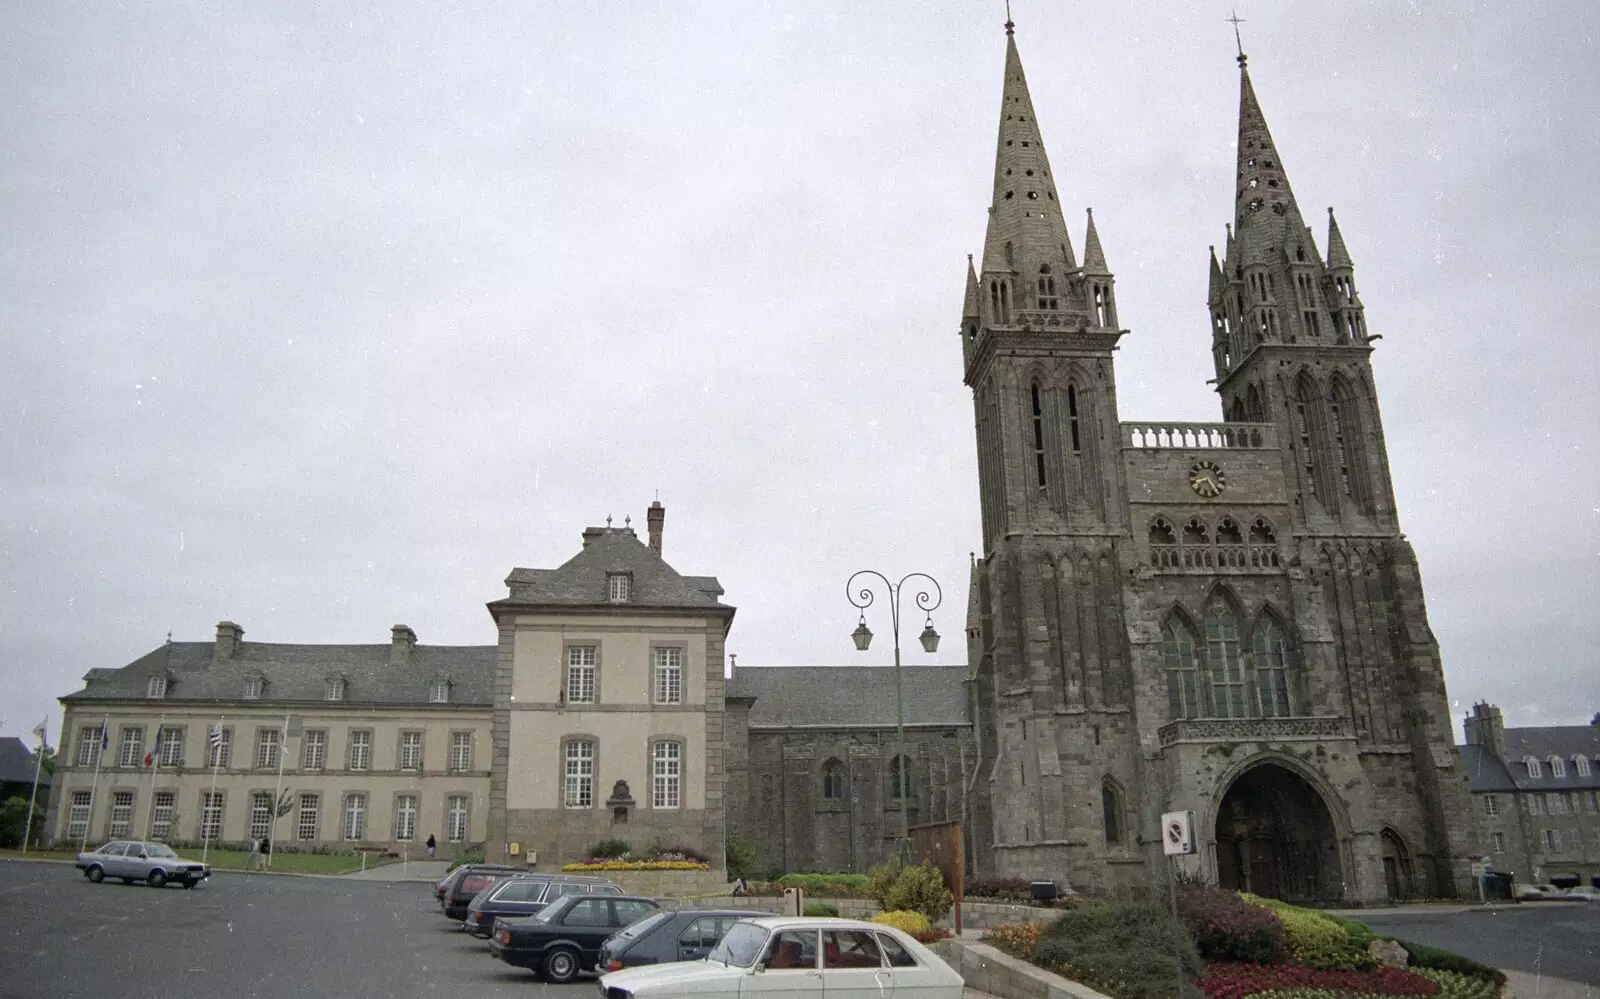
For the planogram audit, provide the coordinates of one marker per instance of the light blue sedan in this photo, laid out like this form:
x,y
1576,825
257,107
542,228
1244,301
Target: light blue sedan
x,y
153,863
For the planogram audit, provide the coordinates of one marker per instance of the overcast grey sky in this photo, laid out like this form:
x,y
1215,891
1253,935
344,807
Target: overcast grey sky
x,y
322,317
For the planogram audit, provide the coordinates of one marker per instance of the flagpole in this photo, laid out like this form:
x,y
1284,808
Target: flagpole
x,y
94,789
155,764
283,750
38,762
212,747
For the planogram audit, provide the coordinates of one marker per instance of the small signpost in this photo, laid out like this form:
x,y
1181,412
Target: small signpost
x,y
1177,840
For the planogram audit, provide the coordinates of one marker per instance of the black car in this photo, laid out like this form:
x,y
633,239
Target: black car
x,y
664,937
525,895
467,881
565,937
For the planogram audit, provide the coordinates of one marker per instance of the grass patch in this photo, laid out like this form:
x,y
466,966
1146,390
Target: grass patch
x,y
238,860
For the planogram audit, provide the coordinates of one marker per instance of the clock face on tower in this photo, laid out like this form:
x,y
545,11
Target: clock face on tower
x,y
1206,478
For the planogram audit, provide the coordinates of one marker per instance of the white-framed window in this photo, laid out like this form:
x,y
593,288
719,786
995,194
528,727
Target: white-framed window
x,y
1534,769
310,815
1558,767
157,687
121,814
455,818
1582,765
1534,806
172,746
162,806
261,815
668,675
267,746
1499,842
252,688
360,750
333,689
1490,806
580,674
314,756
221,753
88,745
580,773
439,692
355,816
460,751
666,775
131,751
410,750
617,587
1553,804
1552,840
405,817
78,815
211,806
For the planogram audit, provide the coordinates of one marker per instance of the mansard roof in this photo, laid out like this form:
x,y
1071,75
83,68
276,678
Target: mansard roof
x,y
1568,742
850,696
293,673
583,580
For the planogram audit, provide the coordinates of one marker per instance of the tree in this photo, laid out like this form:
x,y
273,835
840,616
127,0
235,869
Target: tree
x,y
48,762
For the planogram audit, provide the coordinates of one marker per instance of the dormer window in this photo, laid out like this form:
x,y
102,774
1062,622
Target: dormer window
x,y
333,689
1558,767
157,687
252,688
1535,771
1582,763
439,692
617,587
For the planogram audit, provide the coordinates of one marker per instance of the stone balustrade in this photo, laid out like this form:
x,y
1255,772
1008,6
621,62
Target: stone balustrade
x,y
1207,558
1253,730
1200,436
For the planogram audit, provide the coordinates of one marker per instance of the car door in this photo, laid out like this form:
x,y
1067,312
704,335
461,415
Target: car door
x,y
853,966
587,922
112,858
789,968
912,978
697,939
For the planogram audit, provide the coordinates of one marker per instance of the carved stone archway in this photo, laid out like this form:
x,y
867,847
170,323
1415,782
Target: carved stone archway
x,y
1276,837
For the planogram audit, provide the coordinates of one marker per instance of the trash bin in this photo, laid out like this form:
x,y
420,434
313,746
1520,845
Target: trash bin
x,y
1043,891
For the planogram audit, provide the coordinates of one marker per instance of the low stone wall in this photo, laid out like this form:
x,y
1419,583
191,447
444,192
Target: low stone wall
x,y
986,969
849,908
974,915
982,915
667,884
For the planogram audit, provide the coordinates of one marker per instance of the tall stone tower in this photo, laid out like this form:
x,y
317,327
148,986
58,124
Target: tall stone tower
x,y
1217,617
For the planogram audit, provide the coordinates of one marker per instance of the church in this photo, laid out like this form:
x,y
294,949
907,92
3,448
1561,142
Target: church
x,y
1217,617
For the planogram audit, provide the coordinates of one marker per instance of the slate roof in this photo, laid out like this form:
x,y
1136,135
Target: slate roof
x,y
16,763
300,672
582,579
850,695
1565,741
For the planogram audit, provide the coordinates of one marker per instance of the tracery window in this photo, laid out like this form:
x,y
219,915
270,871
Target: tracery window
x,y
1182,663
1272,669
1224,668
1111,811
833,780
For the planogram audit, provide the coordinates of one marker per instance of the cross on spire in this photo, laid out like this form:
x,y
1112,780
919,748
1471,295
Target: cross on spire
x,y
1009,25
1234,20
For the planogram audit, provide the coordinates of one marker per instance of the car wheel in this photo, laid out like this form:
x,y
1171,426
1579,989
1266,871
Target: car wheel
x,y
157,879
95,873
560,966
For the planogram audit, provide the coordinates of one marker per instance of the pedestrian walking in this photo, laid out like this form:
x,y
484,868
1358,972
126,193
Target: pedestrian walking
x,y
432,845
266,852
255,855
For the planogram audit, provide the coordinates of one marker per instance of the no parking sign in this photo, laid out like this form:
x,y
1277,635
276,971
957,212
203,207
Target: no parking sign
x,y
1177,833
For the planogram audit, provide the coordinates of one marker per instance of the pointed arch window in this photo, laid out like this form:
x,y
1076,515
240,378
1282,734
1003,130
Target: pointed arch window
x,y
1047,289
1072,418
833,780
1182,664
1224,667
1344,413
1272,663
1163,546
1111,811
1038,439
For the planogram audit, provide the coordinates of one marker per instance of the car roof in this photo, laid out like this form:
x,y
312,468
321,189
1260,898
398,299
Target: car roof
x,y
744,913
814,922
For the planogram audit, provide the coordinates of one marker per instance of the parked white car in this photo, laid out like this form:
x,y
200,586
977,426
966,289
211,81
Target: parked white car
x,y
797,958
1588,893
153,863
1536,893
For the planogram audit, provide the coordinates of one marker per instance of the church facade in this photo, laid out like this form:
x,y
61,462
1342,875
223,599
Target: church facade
x,y
1219,617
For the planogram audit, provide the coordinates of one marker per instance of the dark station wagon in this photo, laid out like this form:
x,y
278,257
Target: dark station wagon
x,y
565,937
526,895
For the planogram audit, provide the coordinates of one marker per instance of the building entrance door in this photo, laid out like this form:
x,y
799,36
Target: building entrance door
x,y
1275,837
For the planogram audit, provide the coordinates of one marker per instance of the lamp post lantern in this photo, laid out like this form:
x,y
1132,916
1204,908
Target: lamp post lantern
x,y
927,602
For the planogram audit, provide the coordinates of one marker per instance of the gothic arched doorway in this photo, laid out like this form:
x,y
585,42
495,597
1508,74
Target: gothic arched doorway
x,y
1275,837
1397,876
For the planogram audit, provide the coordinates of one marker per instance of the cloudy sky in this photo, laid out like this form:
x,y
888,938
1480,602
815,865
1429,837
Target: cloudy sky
x,y
322,317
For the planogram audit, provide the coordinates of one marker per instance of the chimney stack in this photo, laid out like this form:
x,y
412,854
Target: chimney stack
x,y
590,533
401,641
656,518
229,636
1486,727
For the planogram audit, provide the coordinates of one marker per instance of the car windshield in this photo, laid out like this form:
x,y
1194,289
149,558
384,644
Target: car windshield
x,y
158,850
643,926
741,946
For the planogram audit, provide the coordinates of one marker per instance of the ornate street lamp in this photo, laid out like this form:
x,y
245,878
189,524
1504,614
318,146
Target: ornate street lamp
x,y
927,603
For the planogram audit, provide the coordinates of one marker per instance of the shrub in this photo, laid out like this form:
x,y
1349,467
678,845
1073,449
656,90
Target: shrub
x,y
610,849
1016,939
1235,981
1359,934
1434,959
918,889
821,909
741,857
636,865
1124,949
1004,889
1456,985
851,884
909,922
471,855
663,851
937,933
1315,940
1225,927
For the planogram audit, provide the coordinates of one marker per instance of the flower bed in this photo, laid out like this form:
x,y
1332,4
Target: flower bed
x,y
637,865
1016,939
1235,981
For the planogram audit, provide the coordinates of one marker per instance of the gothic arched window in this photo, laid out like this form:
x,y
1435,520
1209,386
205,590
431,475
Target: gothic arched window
x,y
1047,289
1038,438
1072,418
1311,442
899,778
1224,669
1344,413
1111,811
1273,663
833,780
1183,668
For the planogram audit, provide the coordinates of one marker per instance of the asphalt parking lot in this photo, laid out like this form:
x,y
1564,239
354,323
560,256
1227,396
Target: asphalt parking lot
x,y
1557,939
240,936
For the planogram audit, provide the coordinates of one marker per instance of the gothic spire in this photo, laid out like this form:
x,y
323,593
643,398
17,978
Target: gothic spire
x,y
1338,256
1264,204
1218,283
1026,228
1094,258
969,305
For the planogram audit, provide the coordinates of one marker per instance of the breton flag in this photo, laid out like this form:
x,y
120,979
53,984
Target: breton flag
x,y
216,736
40,732
155,750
